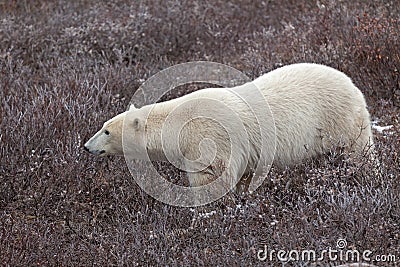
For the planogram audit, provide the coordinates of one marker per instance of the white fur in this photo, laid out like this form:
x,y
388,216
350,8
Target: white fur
x,y
311,101
314,108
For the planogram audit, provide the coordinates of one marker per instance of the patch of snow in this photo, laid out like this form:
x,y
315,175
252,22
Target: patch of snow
x,y
380,129
274,222
207,214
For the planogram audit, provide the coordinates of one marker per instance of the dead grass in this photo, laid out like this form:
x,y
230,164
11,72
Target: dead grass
x,y
67,66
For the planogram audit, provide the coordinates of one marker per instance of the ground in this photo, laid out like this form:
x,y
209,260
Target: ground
x,y
68,66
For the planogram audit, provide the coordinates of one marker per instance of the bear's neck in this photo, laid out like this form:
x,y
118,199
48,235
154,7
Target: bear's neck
x,y
154,126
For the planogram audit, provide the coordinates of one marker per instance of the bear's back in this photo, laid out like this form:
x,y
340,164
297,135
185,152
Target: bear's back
x,y
313,106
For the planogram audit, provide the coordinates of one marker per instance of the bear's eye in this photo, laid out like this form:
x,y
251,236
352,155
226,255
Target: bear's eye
x,y
106,132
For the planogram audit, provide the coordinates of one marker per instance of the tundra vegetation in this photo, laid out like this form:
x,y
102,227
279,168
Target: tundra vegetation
x,y
68,66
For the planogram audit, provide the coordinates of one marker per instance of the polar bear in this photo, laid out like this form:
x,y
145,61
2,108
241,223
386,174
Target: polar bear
x,y
306,110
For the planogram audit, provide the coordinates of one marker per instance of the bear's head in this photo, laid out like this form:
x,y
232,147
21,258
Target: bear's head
x,y
109,141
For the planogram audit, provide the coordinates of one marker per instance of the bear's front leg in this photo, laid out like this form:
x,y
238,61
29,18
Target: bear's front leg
x,y
243,185
199,178
209,175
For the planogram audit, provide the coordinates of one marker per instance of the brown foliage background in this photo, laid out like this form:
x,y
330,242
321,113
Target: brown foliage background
x,y
67,66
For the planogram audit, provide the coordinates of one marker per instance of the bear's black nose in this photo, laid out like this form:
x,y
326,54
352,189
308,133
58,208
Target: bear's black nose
x,y
87,149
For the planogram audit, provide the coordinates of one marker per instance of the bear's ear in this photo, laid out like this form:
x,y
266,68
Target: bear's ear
x,y
132,107
136,124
